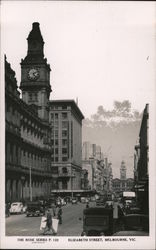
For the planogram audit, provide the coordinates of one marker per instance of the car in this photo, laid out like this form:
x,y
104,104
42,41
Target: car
x,y
24,208
136,222
16,208
83,199
35,208
134,225
97,221
74,201
100,201
92,198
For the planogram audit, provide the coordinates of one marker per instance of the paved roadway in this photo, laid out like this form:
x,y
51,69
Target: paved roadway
x,y
20,225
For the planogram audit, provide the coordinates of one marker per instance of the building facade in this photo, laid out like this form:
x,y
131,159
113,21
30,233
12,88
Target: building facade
x,y
43,137
124,183
28,151
141,159
66,142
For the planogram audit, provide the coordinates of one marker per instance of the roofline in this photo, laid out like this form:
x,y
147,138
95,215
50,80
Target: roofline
x,y
70,101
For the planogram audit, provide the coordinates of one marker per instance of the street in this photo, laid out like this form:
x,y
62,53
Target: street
x,y
20,225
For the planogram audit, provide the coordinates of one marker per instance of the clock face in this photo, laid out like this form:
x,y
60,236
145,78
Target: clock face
x,y
33,74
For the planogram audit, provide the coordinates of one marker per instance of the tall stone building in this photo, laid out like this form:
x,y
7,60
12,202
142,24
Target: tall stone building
x,y
43,137
66,141
28,152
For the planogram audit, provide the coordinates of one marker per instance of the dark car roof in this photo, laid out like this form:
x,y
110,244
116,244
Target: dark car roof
x,y
34,203
98,210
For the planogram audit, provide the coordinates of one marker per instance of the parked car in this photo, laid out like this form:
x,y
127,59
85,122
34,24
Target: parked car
x,y
83,199
100,202
137,222
16,208
35,208
93,198
74,201
97,221
134,225
24,208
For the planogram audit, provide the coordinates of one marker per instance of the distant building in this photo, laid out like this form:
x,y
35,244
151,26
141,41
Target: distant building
x,y
141,159
66,145
124,183
99,170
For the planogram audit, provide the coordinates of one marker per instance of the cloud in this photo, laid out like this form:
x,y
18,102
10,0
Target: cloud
x,y
122,113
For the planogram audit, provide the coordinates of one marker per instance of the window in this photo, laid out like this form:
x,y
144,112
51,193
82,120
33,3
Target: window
x,y
56,159
33,97
64,142
64,115
64,150
64,184
64,159
64,107
64,170
56,133
64,124
56,142
64,133
56,116
56,150
52,142
52,159
56,124
54,170
52,116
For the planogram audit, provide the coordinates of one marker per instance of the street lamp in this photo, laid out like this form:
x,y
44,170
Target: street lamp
x,y
30,184
22,180
73,176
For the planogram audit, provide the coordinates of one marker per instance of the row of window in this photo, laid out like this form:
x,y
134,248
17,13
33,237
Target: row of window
x,y
58,107
56,159
55,133
33,97
64,115
56,142
56,124
64,151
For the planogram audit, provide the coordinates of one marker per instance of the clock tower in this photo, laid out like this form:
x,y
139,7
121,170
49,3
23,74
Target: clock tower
x,y
123,171
35,74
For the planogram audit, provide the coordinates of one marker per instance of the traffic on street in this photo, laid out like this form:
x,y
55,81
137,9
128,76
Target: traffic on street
x,y
84,217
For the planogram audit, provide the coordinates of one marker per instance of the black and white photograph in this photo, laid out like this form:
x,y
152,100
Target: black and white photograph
x,y
78,124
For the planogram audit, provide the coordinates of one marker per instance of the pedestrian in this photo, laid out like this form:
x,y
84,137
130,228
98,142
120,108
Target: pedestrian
x,y
49,226
59,214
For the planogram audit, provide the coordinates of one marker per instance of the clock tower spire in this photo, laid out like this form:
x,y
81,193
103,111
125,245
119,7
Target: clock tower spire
x,y
35,74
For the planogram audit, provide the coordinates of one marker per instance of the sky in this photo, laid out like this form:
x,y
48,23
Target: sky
x,y
99,52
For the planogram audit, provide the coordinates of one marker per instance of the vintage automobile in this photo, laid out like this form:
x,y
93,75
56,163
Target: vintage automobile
x,y
97,221
100,201
136,222
16,208
35,208
134,225
74,200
